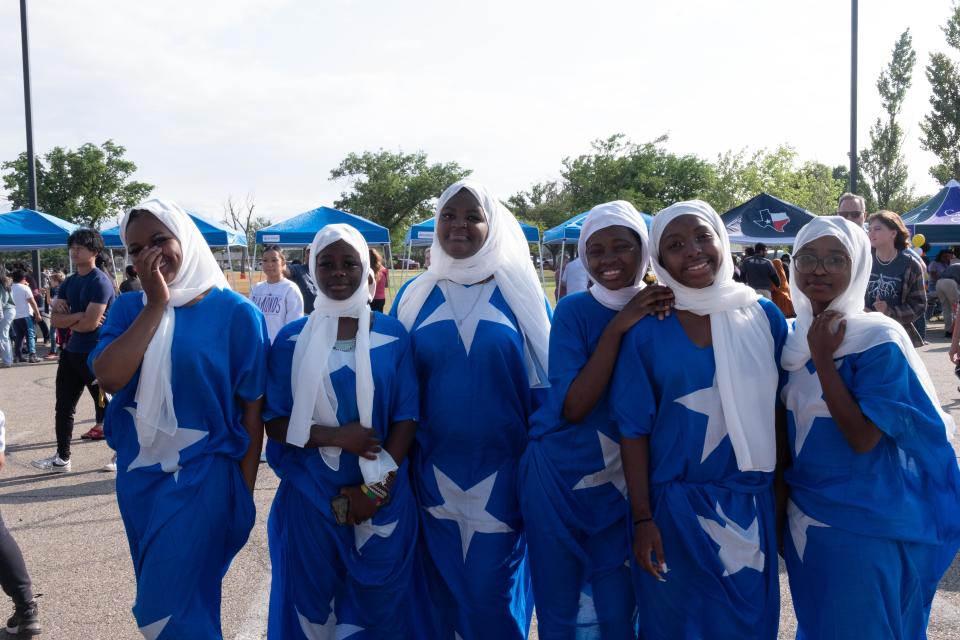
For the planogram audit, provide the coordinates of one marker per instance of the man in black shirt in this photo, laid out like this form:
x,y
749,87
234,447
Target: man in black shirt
x,y
759,273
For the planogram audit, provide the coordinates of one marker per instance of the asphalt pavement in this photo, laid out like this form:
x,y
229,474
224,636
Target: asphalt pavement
x,y
72,538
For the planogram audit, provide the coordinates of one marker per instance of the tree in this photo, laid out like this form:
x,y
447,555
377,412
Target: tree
x,y
393,189
883,162
85,186
545,205
239,216
941,127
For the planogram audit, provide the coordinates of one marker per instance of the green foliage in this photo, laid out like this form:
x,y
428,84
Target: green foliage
x,y
941,126
883,162
545,205
393,189
85,186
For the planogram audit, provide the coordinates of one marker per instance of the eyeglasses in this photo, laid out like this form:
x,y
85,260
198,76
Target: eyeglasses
x,y
851,215
807,263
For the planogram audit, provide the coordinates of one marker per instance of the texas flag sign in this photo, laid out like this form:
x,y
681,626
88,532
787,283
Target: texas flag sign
x,y
765,218
776,221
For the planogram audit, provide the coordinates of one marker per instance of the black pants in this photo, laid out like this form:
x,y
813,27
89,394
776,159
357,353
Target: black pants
x,y
13,572
44,329
377,305
73,375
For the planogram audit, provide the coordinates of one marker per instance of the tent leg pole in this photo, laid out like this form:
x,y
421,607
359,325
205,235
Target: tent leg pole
x,y
230,260
389,262
540,260
254,264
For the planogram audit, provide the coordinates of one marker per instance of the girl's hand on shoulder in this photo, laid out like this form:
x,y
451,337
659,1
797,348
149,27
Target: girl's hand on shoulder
x,y
358,440
648,549
821,337
655,299
147,264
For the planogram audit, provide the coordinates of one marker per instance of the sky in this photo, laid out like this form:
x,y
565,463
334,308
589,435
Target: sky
x,y
214,98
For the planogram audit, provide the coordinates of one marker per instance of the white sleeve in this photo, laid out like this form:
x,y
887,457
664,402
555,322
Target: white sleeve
x,y
293,303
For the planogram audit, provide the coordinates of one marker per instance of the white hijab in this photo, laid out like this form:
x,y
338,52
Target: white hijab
x,y
864,330
743,348
610,214
505,256
198,273
314,398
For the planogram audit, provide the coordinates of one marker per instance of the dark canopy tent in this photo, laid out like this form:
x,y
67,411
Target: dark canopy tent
x,y
938,219
26,230
765,218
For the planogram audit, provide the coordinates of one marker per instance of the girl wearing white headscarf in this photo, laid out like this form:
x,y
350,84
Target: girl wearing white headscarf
x,y
479,325
694,396
188,439
341,382
571,478
874,506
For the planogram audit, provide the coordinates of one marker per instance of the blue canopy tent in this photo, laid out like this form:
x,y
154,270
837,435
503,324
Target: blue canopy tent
x,y
421,235
27,230
938,219
216,234
569,233
765,218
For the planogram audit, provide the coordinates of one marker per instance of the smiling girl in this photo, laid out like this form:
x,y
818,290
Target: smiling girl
x,y
343,524
479,326
694,396
188,438
874,510
571,487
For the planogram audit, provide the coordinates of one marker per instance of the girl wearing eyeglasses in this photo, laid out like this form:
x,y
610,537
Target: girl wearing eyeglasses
x,y
873,512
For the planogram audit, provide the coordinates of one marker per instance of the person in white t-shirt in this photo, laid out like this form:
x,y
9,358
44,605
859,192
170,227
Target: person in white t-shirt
x,y
279,299
573,279
27,314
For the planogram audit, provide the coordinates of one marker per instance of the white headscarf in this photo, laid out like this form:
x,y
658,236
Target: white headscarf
x,y
314,397
610,214
743,348
505,256
864,330
198,273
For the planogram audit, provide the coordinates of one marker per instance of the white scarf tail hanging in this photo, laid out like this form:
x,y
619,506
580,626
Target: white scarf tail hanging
x,y
505,256
199,272
314,398
743,348
609,214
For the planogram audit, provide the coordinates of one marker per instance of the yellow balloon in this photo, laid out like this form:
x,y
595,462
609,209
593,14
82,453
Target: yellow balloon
x,y
919,240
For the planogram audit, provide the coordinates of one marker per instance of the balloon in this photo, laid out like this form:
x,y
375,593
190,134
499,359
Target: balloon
x,y
919,240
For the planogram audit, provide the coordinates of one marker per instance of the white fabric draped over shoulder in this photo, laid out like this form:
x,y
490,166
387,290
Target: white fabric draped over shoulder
x,y
610,214
863,329
313,393
505,256
199,272
744,352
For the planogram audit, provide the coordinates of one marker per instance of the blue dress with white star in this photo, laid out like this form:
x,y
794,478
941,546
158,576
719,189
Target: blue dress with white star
x,y
185,507
572,494
330,580
716,522
870,534
475,402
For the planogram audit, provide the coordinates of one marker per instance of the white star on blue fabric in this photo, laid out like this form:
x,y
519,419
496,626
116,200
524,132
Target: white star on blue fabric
x,y
739,547
803,396
165,449
799,522
153,630
467,508
706,401
340,359
467,327
327,630
365,530
612,471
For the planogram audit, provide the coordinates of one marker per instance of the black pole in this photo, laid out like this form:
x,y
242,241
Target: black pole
x,y
854,164
28,111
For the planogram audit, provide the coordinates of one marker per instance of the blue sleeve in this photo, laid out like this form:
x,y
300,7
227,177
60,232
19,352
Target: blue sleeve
x,y
121,316
279,392
405,403
632,402
249,342
101,291
568,350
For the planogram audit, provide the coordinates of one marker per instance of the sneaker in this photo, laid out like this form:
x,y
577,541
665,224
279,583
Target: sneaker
x,y
24,622
95,433
33,358
111,466
52,464
51,356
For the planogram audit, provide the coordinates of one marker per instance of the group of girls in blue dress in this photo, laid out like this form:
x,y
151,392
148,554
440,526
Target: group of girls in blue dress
x,y
634,470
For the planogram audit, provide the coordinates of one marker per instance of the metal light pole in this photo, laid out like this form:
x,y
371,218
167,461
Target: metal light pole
x,y
854,163
28,110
